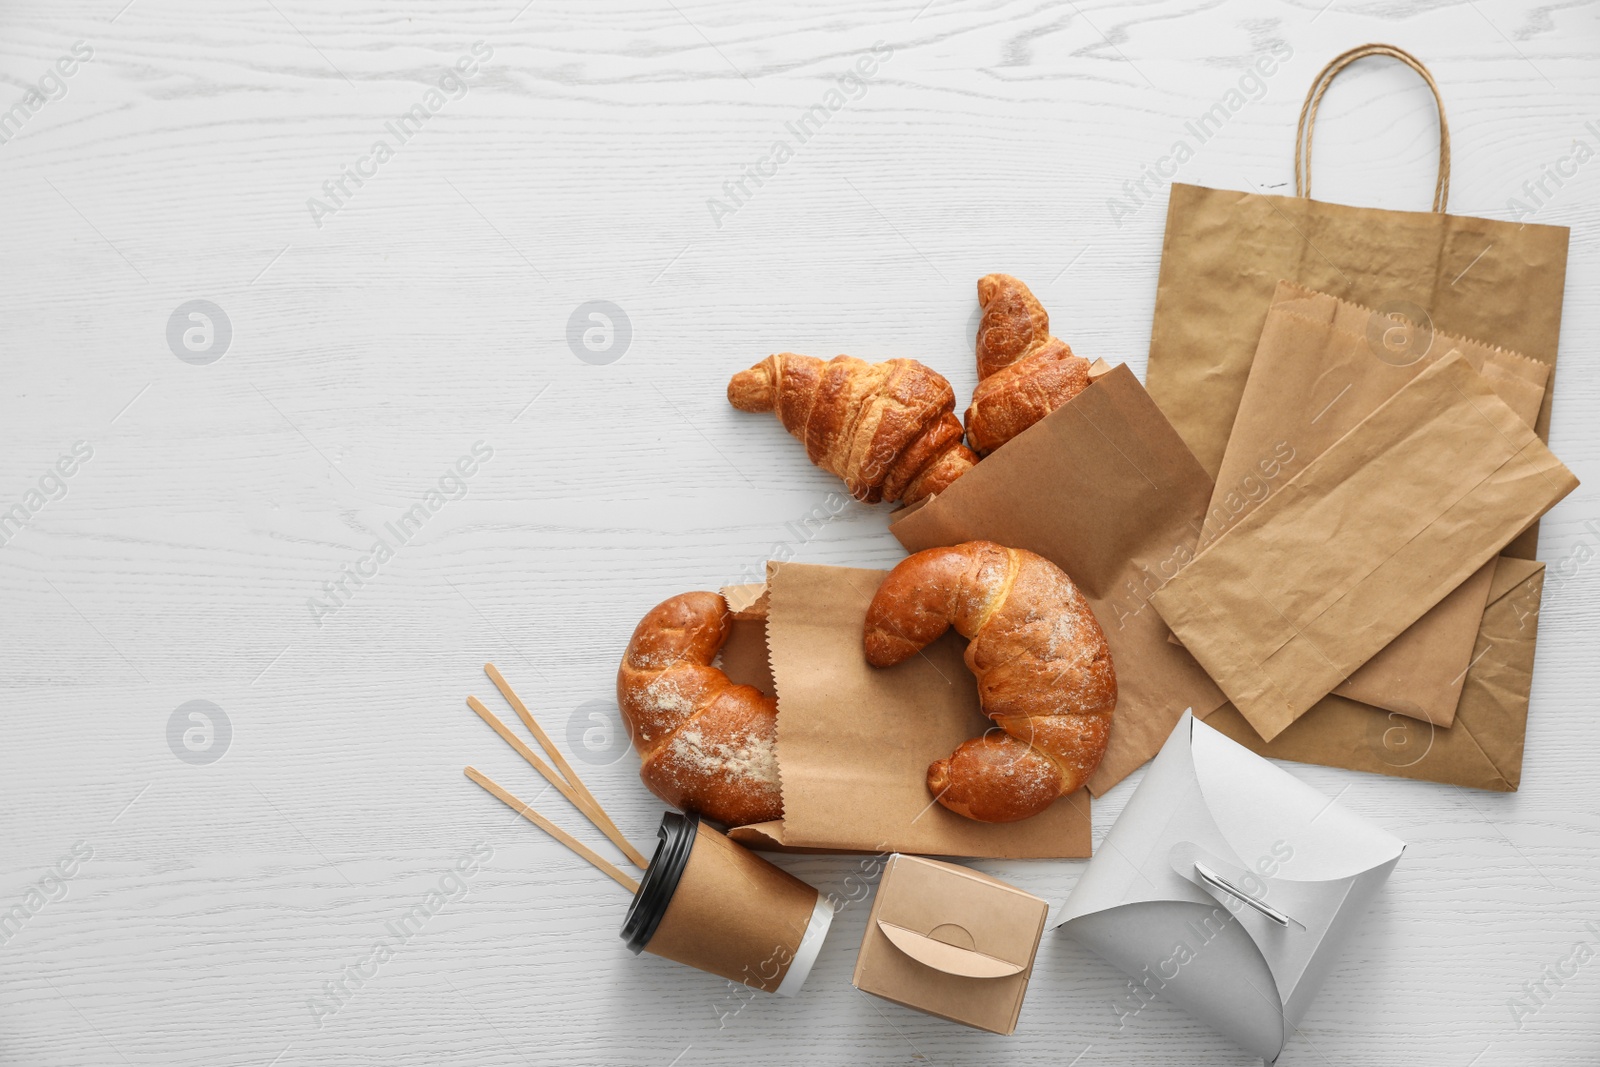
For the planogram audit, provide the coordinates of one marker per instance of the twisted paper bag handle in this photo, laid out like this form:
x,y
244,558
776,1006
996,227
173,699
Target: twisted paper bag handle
x,y
1308,117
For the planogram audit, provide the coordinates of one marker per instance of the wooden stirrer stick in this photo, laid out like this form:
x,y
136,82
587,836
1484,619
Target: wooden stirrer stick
x,y
599,862
584,802
526,716
561,762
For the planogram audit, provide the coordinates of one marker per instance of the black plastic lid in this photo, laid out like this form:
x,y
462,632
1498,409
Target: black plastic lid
x,y
660,881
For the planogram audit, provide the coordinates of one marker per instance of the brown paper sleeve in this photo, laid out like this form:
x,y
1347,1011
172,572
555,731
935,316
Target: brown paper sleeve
x,y
1483,750
1321,366
855,742
1333,567
1103,488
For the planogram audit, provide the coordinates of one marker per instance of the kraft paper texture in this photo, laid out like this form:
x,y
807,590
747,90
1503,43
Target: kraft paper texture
x,y
1361,543
1104,488
1322,365
1225,251
855,741
1483,750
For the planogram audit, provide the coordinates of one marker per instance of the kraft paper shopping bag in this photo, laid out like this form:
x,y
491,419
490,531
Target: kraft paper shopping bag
x,y
1225,251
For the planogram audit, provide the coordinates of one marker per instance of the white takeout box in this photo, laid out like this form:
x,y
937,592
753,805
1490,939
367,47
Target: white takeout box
x,y
1227,887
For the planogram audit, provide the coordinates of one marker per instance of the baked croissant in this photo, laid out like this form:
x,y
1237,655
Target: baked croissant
x,y
1044,672
705,744
888,429
1023,372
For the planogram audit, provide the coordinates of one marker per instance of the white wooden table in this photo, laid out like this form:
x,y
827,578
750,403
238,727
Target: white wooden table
x,y
369,341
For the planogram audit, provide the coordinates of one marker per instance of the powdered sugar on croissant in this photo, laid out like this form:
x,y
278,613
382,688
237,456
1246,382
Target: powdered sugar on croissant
x,y
888,429
1043,667
705,744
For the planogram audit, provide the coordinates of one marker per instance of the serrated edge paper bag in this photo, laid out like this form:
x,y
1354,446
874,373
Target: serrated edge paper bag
x,y
1105,489
1483,750
1321,366
855,741
1362,542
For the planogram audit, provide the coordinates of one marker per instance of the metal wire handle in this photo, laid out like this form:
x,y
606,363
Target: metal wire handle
x,y
1212,878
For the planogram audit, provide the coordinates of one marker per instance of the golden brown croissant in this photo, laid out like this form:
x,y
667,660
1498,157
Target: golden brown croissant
x,y
705,745
1044,672
888,429
1023,372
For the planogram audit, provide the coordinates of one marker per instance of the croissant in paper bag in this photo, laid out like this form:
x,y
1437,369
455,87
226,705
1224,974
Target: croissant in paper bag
x,y
1024,373
888,429
1043,667
705,744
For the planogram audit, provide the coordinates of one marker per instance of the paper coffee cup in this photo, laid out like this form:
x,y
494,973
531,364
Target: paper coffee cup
x,y
716,906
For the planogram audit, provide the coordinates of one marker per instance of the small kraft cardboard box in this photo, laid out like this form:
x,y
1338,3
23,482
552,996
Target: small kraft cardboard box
x,y
951,942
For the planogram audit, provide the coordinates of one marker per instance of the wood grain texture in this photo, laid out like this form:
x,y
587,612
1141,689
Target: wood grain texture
x,y
430,312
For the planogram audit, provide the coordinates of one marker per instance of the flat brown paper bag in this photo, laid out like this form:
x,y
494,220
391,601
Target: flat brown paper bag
x,y
1321,366
1103,488
1483,750
1363,541
855,741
